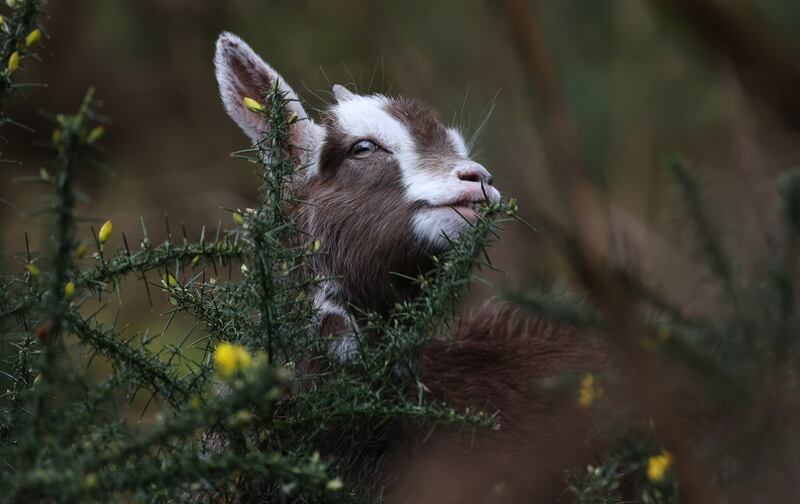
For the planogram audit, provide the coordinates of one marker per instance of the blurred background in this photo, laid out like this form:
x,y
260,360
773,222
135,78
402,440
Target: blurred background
x,y
639,84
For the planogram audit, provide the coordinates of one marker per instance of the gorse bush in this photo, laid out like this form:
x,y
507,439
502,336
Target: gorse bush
x,y
254,406
237,419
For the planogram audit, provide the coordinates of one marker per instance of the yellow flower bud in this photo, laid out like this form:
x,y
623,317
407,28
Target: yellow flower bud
x,y
589,391
334,484
80,250
90,481
315,246
196,260
168,280
244,269
56,136
238,219
241,418
225,360
252,105
33,269
2,20
33,37
96,134
37,380
69,290
105,231
231,359
13,62
658,465
245,361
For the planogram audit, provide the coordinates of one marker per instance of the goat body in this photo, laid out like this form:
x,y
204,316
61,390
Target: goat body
x,y
388,181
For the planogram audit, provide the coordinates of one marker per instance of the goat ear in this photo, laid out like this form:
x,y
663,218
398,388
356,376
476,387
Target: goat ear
x,y
341,93
241,74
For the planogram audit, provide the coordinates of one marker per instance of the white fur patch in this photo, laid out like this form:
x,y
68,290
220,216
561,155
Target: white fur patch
x,y
341,93
366,117
434,226
437,186
458,142
345,348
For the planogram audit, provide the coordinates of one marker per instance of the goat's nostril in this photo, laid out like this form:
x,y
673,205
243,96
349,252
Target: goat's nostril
x,y
469,176
475,175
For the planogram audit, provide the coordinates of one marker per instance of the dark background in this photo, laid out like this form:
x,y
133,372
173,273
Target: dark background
x,y
639,83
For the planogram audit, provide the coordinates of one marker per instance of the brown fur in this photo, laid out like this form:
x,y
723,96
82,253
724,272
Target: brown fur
x,y
424,124
358,212
498,361
495,361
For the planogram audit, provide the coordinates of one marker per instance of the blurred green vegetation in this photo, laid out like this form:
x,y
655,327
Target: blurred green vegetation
x,y
639,84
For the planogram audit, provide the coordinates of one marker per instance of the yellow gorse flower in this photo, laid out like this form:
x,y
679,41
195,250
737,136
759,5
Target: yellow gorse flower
x,y
90,481
169,281
231,359
589,391
33,37
69,290
252,105
80,250
33,269
95,135
658,465
334,484
105,231
13,61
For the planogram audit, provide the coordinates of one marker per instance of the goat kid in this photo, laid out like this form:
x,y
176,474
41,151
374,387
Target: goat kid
x,y
387,181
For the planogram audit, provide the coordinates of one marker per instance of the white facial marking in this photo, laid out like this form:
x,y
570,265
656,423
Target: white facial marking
x,y
433,181
366,117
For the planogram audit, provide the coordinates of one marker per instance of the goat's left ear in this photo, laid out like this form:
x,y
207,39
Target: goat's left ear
x,y
241,74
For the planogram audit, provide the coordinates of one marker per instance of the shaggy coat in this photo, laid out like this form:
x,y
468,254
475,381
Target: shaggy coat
x,y
387,181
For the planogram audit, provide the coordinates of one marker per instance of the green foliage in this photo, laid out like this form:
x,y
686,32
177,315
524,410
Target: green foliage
x,y
235,420
18,44
228,409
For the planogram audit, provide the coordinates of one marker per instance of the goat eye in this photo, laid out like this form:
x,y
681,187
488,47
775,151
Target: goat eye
x,y
363,148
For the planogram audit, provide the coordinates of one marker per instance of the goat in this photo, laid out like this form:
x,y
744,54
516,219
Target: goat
x,y
388,181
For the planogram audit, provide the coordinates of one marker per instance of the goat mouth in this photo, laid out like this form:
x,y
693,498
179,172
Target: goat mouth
x,y
463,203
467,209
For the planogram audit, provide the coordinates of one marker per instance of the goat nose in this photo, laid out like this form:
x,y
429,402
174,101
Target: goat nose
x,y
474,173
